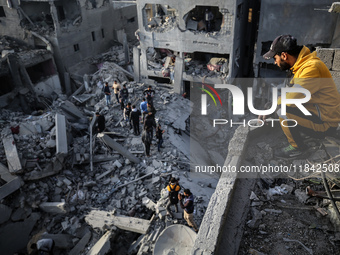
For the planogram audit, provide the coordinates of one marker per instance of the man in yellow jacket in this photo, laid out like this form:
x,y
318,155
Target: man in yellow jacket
x,y
312,74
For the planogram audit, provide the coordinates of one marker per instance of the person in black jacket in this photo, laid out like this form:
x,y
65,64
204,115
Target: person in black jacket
x,y
188,207
159,136
100,122
149,124
146,139
149,93
151,110
107,93
124,93
134,118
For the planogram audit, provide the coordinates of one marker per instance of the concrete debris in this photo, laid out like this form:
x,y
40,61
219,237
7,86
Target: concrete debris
x,y
48,156
103,245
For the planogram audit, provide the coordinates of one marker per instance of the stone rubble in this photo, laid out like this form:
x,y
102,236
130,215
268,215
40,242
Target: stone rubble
x,y
62,189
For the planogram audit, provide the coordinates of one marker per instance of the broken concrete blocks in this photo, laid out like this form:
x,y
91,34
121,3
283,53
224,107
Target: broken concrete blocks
x,y
54,207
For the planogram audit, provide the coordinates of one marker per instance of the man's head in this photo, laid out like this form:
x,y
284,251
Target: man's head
x,y
149,104
124,86
149,88
133,107
106,84
143,99
128,105
173,180
187,192
284,50
115,82
97,114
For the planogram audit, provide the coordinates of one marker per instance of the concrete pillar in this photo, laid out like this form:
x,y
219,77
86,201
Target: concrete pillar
x,y
54,14
136,63
126,49
178,85
143,64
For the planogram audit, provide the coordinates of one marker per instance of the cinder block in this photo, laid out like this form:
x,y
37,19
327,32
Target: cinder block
x,y
336,60
336,78
326,55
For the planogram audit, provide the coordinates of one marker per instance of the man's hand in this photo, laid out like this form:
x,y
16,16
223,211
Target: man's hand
x,y
179,196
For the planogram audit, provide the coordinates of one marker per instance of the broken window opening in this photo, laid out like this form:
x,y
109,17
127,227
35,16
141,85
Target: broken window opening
x,y
159,18
76,47
161,60
2,12
160,79
39,14
131,20
204,18
68,13
203,63
41,71
6,85
93,36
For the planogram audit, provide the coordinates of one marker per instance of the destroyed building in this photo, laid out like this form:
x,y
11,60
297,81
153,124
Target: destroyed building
x,y
98,193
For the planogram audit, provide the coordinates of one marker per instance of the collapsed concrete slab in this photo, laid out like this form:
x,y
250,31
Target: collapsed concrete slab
x,y
12,184
71,110
103,246
15,236
81,244
53,207
116,146
13,160
104,219
61,140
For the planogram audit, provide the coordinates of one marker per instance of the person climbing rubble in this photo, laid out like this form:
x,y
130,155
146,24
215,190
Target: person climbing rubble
x,y
149,124
124,94
309,73
126,114
173,189
188,206
100,122
144,109
116,88
146,139
107,93
159,136
134,118
149,93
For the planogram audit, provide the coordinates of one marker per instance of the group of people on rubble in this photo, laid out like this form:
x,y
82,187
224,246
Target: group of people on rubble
x,y
132,115
186,201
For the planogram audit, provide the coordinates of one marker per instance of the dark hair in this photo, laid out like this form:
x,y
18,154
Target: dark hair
x,y
173,180
97,113
187,191
106,83
143,99
128,103
124,85
150,87
133,106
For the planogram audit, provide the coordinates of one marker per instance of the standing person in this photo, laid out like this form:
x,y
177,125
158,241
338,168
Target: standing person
x,y
134,118
44,246
100,122
121,101
146,139
151,110
312,74
149,125
124,94
116,88
159,136
107,93
144,109
188,207
126,114
173,189
149,93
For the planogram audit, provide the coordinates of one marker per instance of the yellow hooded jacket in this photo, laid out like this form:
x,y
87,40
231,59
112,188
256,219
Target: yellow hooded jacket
x,y
312,74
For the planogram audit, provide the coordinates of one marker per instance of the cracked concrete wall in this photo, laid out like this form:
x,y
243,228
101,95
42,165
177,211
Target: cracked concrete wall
x,y
181,40
297,20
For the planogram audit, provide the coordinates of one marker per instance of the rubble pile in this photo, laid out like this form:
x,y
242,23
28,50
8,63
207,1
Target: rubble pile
x,y
53,184
289,213
116,54
162,24
216,67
